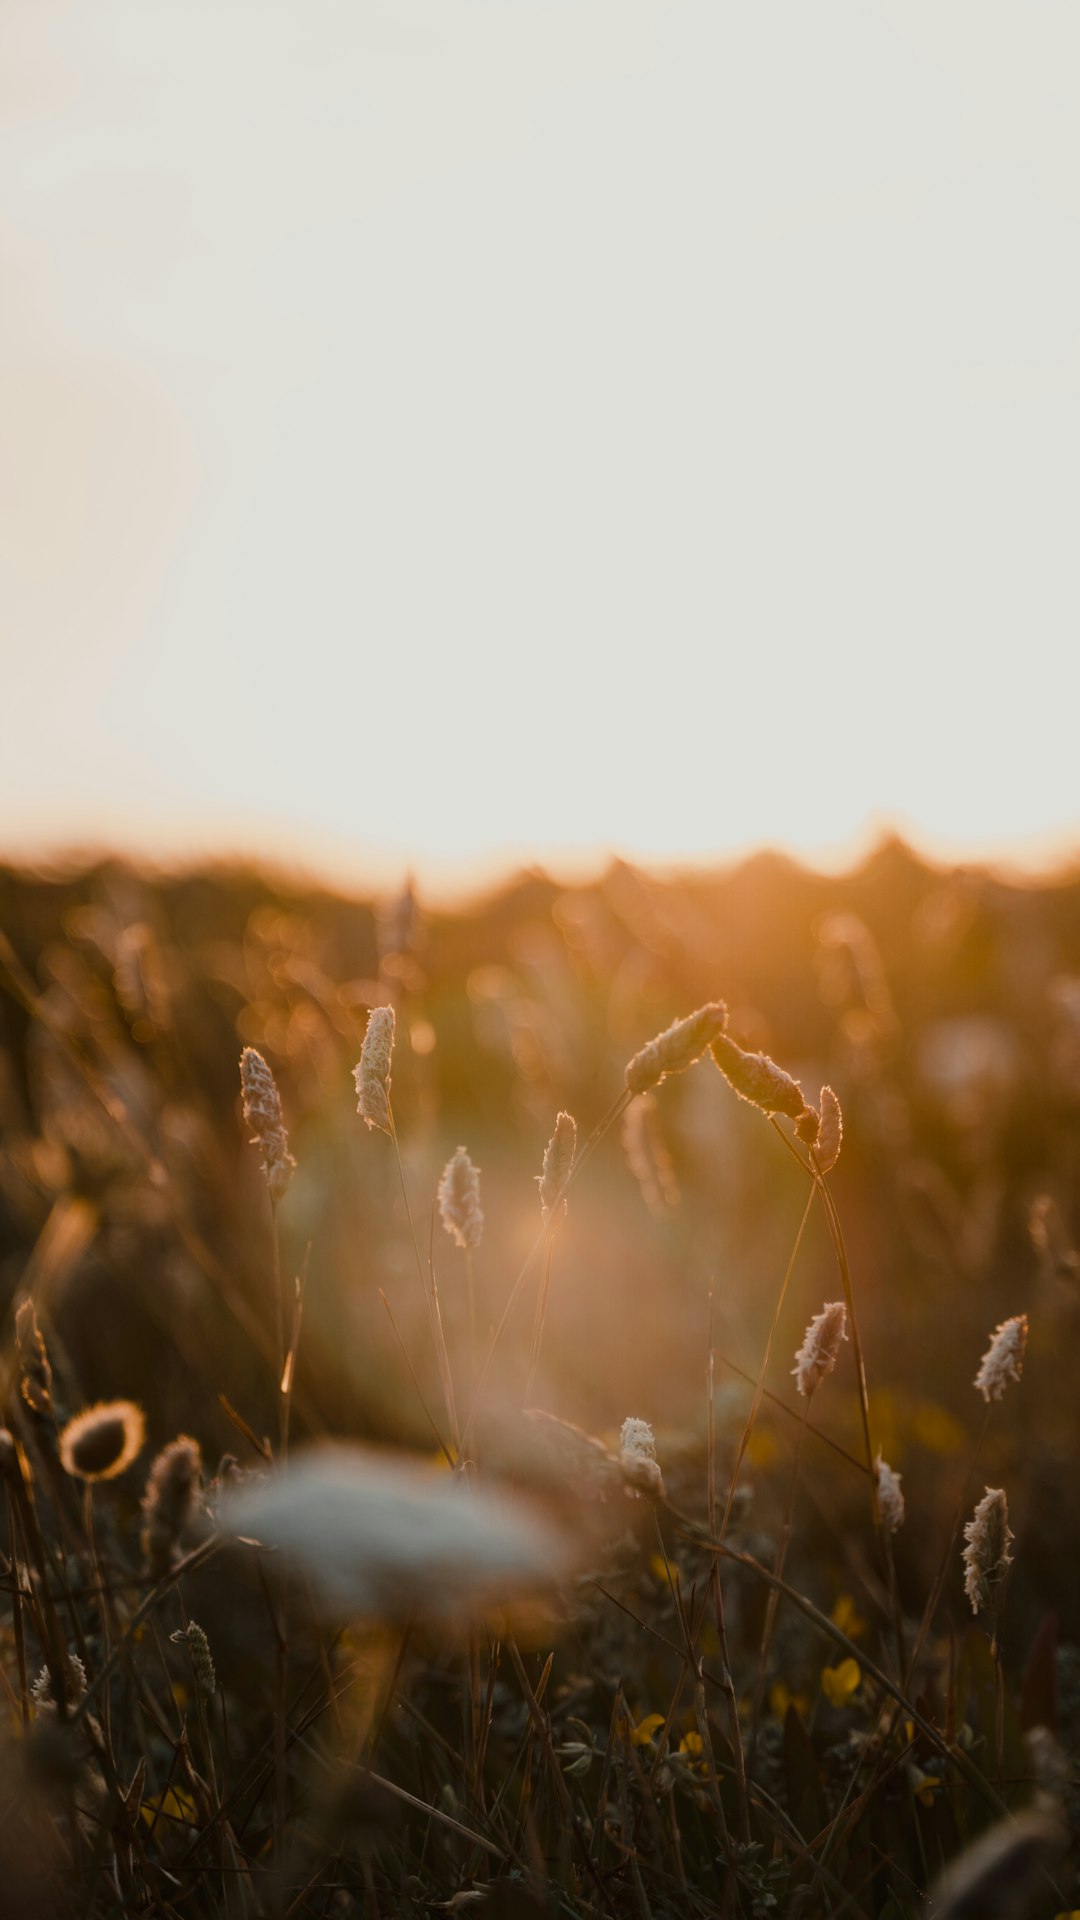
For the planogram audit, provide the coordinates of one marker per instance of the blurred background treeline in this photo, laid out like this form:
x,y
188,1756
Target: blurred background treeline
x,y
943,1007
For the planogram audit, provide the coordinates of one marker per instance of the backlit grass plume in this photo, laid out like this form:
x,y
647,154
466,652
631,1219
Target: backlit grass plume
x,y
637,1456
169,1501
262,1112
986,1557
758,1079
1003,1360
372,1070
821,1347
890,1497
102,1441
35,1373
829,1133
459,1200
558,1165
194,1639
677,1047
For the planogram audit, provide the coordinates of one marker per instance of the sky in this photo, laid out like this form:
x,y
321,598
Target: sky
x,y
437,434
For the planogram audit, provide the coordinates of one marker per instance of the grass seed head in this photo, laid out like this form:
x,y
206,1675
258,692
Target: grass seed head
x,y
459,1200
168,1501
821,1347
102,1441
986,1557
194,1639
830,1131
558,1165
262,1112
42,1691
758,1079
637,1457
1004,1358
677,1047
372,1070
890,1496
34,1369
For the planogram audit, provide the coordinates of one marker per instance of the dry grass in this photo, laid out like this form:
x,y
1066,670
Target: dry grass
x,y
638,1630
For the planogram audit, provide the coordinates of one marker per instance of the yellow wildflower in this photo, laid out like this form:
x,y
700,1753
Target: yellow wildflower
x,y
847,1617
839,1683
641,1735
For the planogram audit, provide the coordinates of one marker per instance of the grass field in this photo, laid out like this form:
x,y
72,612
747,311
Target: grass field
x,y
459,1544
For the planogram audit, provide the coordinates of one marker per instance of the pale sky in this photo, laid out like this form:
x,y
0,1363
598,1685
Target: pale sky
x,y
443,434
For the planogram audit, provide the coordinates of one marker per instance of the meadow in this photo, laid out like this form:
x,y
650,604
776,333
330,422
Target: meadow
x,y
563,1406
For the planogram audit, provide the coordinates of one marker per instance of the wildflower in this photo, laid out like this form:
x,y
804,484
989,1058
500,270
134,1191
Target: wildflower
x,y
168,1501
1004,1358
198,1646
758,1079
102,1441
890,1498
558,1166
847,1617
637,1456
839,1683
821,1347
986,1557
262,1113
646,1730
677,1047
459,1200
33,1360
372,1070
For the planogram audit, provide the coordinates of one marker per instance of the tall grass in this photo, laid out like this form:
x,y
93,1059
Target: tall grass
x,y
705,1660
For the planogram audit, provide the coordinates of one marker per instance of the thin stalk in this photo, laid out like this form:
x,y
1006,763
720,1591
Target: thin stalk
x,y
730,1696
617,1107
773,1601
431,1296
541,1311
759,1387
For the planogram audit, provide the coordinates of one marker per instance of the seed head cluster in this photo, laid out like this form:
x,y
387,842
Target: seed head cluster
x,y
102,1441
459,1200
637,1457
34,1369
758,1079
169,1501
194,1639
558,1166
1003,1360
677,1047
986,1557
830,1131
262,1112
372,1071
890,1497
821,1347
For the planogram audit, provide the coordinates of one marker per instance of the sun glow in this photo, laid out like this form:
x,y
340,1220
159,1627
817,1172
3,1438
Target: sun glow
x,y
600,430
